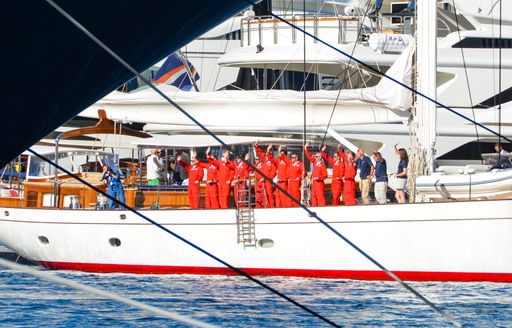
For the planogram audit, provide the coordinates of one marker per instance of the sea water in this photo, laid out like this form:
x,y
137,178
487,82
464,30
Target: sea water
x,y
232,301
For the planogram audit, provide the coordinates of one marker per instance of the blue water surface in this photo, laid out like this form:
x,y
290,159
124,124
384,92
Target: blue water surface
x,y
229,301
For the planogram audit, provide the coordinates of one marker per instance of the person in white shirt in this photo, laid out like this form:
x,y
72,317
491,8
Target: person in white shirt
x,y
154,168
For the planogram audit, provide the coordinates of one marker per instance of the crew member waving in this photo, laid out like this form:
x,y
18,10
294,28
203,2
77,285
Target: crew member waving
x,y
195,175
282,175
240,179
212,191
269,170
225,175
296,173
318,176
338,171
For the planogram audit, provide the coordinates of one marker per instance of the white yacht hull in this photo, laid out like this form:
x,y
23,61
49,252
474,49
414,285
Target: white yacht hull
x,y
456,241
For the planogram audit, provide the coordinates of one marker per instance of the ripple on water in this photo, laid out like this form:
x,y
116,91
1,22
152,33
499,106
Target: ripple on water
x,y
230,301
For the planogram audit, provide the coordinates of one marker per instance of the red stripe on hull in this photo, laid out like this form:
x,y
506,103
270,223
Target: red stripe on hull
x,y
340,274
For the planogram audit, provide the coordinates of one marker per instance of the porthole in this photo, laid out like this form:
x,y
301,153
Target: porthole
x,y
114,242
43,240
122,216
265,243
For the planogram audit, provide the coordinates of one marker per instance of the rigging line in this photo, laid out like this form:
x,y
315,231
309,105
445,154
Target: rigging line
x,y
304,114
337,233
311,213
348,75
467,83
186,241
384,75
225,49
281,73
151,85
45,275
494,5
499,76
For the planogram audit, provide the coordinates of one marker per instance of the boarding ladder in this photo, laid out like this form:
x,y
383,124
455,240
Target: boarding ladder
x,y
246,228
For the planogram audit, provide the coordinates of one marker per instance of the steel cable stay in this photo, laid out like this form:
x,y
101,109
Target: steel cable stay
x,y
384,75
104,294
467,81
348,75
499,77
200,249
310,213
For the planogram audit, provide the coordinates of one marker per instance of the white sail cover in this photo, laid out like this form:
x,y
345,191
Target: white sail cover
x,y
387,92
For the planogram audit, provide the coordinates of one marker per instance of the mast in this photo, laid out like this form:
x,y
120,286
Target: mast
x,y
304,75
423,123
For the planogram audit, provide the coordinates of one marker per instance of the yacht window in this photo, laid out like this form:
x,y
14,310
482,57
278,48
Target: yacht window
x,y
498,99
395,8
485,43
43,240
114,242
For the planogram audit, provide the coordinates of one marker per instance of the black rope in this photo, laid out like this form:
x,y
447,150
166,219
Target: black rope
x,y
384,74
131,69
467,83
348,75
186,241
311,213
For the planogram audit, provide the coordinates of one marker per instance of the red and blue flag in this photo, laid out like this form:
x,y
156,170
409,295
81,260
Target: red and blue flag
x,y
174,72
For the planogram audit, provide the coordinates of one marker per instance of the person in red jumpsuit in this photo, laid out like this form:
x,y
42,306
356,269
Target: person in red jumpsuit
x,y
349,190
282,175
296,173
212,192
259,185
318,176
195,175
338,172
225,175
269,170
241,178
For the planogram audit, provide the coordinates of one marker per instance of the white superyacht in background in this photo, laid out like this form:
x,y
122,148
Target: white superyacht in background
x,y
472,53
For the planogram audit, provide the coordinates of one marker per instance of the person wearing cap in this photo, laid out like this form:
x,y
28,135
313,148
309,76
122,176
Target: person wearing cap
x,y
240,179
226,172
154,168
366,170
282,174
212,191
195,176
338,171
318,176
